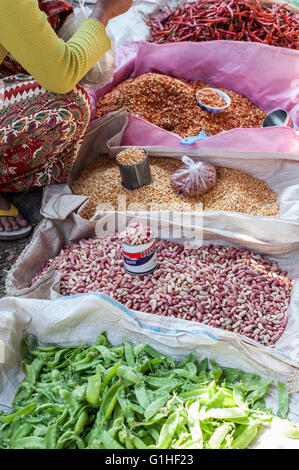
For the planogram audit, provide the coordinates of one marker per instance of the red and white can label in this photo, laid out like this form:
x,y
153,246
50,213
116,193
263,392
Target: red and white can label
x,y
140,259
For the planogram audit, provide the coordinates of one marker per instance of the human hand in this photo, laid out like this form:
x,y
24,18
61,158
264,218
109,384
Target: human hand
x,y
105,10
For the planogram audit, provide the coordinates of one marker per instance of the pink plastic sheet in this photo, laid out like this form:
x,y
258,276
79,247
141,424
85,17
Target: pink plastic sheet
x,y
266,75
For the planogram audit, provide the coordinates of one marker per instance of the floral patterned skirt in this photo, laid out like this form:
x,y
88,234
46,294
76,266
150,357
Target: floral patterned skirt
x,y
40,132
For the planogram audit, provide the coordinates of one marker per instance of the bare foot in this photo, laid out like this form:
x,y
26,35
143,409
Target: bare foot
x,y
10,224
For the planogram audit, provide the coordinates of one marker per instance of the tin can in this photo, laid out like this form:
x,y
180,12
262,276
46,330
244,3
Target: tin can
x,y
136,175
140,259
279,117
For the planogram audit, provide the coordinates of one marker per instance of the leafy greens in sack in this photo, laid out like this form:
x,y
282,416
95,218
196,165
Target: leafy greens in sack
x,y
132,397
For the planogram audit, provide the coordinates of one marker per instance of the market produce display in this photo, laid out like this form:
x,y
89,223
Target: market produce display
x,y
122,395
236,20
224,287
234,190
101,396
170,103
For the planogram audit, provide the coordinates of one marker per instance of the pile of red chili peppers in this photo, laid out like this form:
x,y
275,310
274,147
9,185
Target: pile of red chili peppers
x,y
234,20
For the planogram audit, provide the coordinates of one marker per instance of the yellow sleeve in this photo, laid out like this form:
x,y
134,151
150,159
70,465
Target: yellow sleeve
x,y
57,65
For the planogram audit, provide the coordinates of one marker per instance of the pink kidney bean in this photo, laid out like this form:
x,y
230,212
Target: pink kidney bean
x,y
204,285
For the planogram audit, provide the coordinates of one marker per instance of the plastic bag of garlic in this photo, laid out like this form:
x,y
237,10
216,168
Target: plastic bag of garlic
x,y
52,235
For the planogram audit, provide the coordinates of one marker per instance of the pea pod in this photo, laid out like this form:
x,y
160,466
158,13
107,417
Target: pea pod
x,y
109,442
129,354
136,408
24,411
200,394
168,429
142,396
129,443
67,398
283,400
93,389
216,401
107,355
81,422
88,357
222,413
218,436
32,371
124,404
138,349
23,431
127,373
138,443
101,340
109,375
118,350
158,382
155,406
109,400
245,438
144,365
122,435
57,357
50,439
29,442
194,423
70,436
190,370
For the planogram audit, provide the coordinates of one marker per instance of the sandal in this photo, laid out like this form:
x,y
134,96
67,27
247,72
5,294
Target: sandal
x,y
15,234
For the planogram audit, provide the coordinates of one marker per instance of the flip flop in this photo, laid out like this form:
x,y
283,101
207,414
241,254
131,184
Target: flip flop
x,y
15,234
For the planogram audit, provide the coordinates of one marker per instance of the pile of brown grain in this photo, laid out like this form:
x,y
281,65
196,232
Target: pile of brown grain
x,y
234,191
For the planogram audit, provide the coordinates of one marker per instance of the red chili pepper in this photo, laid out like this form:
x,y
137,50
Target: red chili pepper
x,y
248,20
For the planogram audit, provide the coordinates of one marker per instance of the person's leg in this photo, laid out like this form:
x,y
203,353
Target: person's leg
x,y
40,136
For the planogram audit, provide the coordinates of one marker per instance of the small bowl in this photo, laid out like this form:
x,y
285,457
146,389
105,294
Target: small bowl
x,y
212,110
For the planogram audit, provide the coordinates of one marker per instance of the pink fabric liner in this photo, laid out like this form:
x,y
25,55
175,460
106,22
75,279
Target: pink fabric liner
x,y
267,75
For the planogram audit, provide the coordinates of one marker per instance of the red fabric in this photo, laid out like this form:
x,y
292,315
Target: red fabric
x,y
56,11
40,133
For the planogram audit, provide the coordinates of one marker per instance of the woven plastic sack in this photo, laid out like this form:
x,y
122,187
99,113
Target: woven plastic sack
x,y
101,73
194,178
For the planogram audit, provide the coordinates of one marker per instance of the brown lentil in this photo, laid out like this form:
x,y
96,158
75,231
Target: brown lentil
x,y
131,156
170,103
234,191
224,287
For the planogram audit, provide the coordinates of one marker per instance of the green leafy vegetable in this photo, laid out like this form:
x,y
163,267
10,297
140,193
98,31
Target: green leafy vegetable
x,y
132,397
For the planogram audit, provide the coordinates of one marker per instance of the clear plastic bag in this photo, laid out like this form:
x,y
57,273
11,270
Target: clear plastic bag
x,y
102,72
194,178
